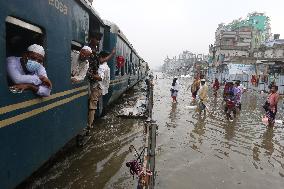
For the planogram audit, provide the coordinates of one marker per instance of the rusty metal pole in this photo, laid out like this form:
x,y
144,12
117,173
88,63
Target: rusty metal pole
x,y
152,138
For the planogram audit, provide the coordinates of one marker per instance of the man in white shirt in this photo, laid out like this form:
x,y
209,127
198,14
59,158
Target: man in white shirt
x,y
80,64
27,72
203,95
100,86
104,72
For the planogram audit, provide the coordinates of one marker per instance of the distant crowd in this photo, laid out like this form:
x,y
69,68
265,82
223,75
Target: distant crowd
x,y
232,97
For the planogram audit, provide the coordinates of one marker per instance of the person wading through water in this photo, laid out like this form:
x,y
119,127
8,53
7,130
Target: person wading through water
x,y
229,99
216,86
195,87
270,105
203,96
174,90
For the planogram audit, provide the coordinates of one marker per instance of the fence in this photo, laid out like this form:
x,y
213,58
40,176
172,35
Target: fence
x,y
148,182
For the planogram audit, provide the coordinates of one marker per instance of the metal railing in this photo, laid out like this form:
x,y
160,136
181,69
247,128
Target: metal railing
x,y
151,129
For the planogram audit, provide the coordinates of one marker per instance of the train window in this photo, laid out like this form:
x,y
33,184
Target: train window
x,y
120,52
75,51
133,68
123,68
126,66
128,61
123,54
134,64
117,71
20,35
129,68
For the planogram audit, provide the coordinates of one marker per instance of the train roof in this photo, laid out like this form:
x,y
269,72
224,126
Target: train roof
x,y
89,6
115,29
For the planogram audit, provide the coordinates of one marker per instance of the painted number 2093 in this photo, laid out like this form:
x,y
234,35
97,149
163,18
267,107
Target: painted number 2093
x,y
59,6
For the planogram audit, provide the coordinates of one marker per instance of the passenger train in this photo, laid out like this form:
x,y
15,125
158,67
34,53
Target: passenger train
x,y
32,129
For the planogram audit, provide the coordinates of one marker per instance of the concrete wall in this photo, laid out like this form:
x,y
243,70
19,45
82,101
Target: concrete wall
x,y
232,53
270,53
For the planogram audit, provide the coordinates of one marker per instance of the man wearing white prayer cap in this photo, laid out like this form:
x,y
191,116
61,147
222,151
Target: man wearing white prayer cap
x,y
36,49
80,64
87,48
27,72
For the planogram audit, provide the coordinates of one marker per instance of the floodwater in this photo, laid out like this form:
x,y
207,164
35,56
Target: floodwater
x,y
193,151
197,151
101,162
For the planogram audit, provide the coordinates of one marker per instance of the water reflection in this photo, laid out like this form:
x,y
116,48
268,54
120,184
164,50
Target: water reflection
x,y
230,130
255,153
252,102
267,142
173,116
198,131
199,127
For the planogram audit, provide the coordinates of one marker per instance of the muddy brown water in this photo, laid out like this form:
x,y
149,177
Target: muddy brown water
x,y
193,151
197,151
101,162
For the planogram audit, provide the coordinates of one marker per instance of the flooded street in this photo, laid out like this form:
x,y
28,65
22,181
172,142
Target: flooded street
x,y
196,151
193,151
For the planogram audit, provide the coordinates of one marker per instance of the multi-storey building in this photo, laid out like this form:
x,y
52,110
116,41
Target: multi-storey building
x,y
240,38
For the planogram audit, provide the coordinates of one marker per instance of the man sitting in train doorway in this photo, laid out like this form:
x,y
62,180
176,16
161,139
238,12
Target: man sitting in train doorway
x,y
27,72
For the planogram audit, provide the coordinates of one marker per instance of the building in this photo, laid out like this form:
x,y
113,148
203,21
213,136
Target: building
x,y
183,63
245,50
240,38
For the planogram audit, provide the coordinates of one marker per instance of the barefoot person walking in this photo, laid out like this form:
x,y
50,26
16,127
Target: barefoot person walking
x,y
270,105
203,95
174,89
216,86
195,87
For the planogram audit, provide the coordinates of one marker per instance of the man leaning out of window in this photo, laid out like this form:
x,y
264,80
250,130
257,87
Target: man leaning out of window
x,y
27,72
80,64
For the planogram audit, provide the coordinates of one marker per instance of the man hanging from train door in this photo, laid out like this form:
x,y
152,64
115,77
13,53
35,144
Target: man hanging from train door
x,y
27,72
96,76
93,77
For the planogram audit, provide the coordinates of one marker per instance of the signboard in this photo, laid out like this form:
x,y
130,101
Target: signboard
x,y
241,69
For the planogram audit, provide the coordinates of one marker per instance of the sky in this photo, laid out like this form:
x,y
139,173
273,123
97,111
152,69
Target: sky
x,y
161,28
